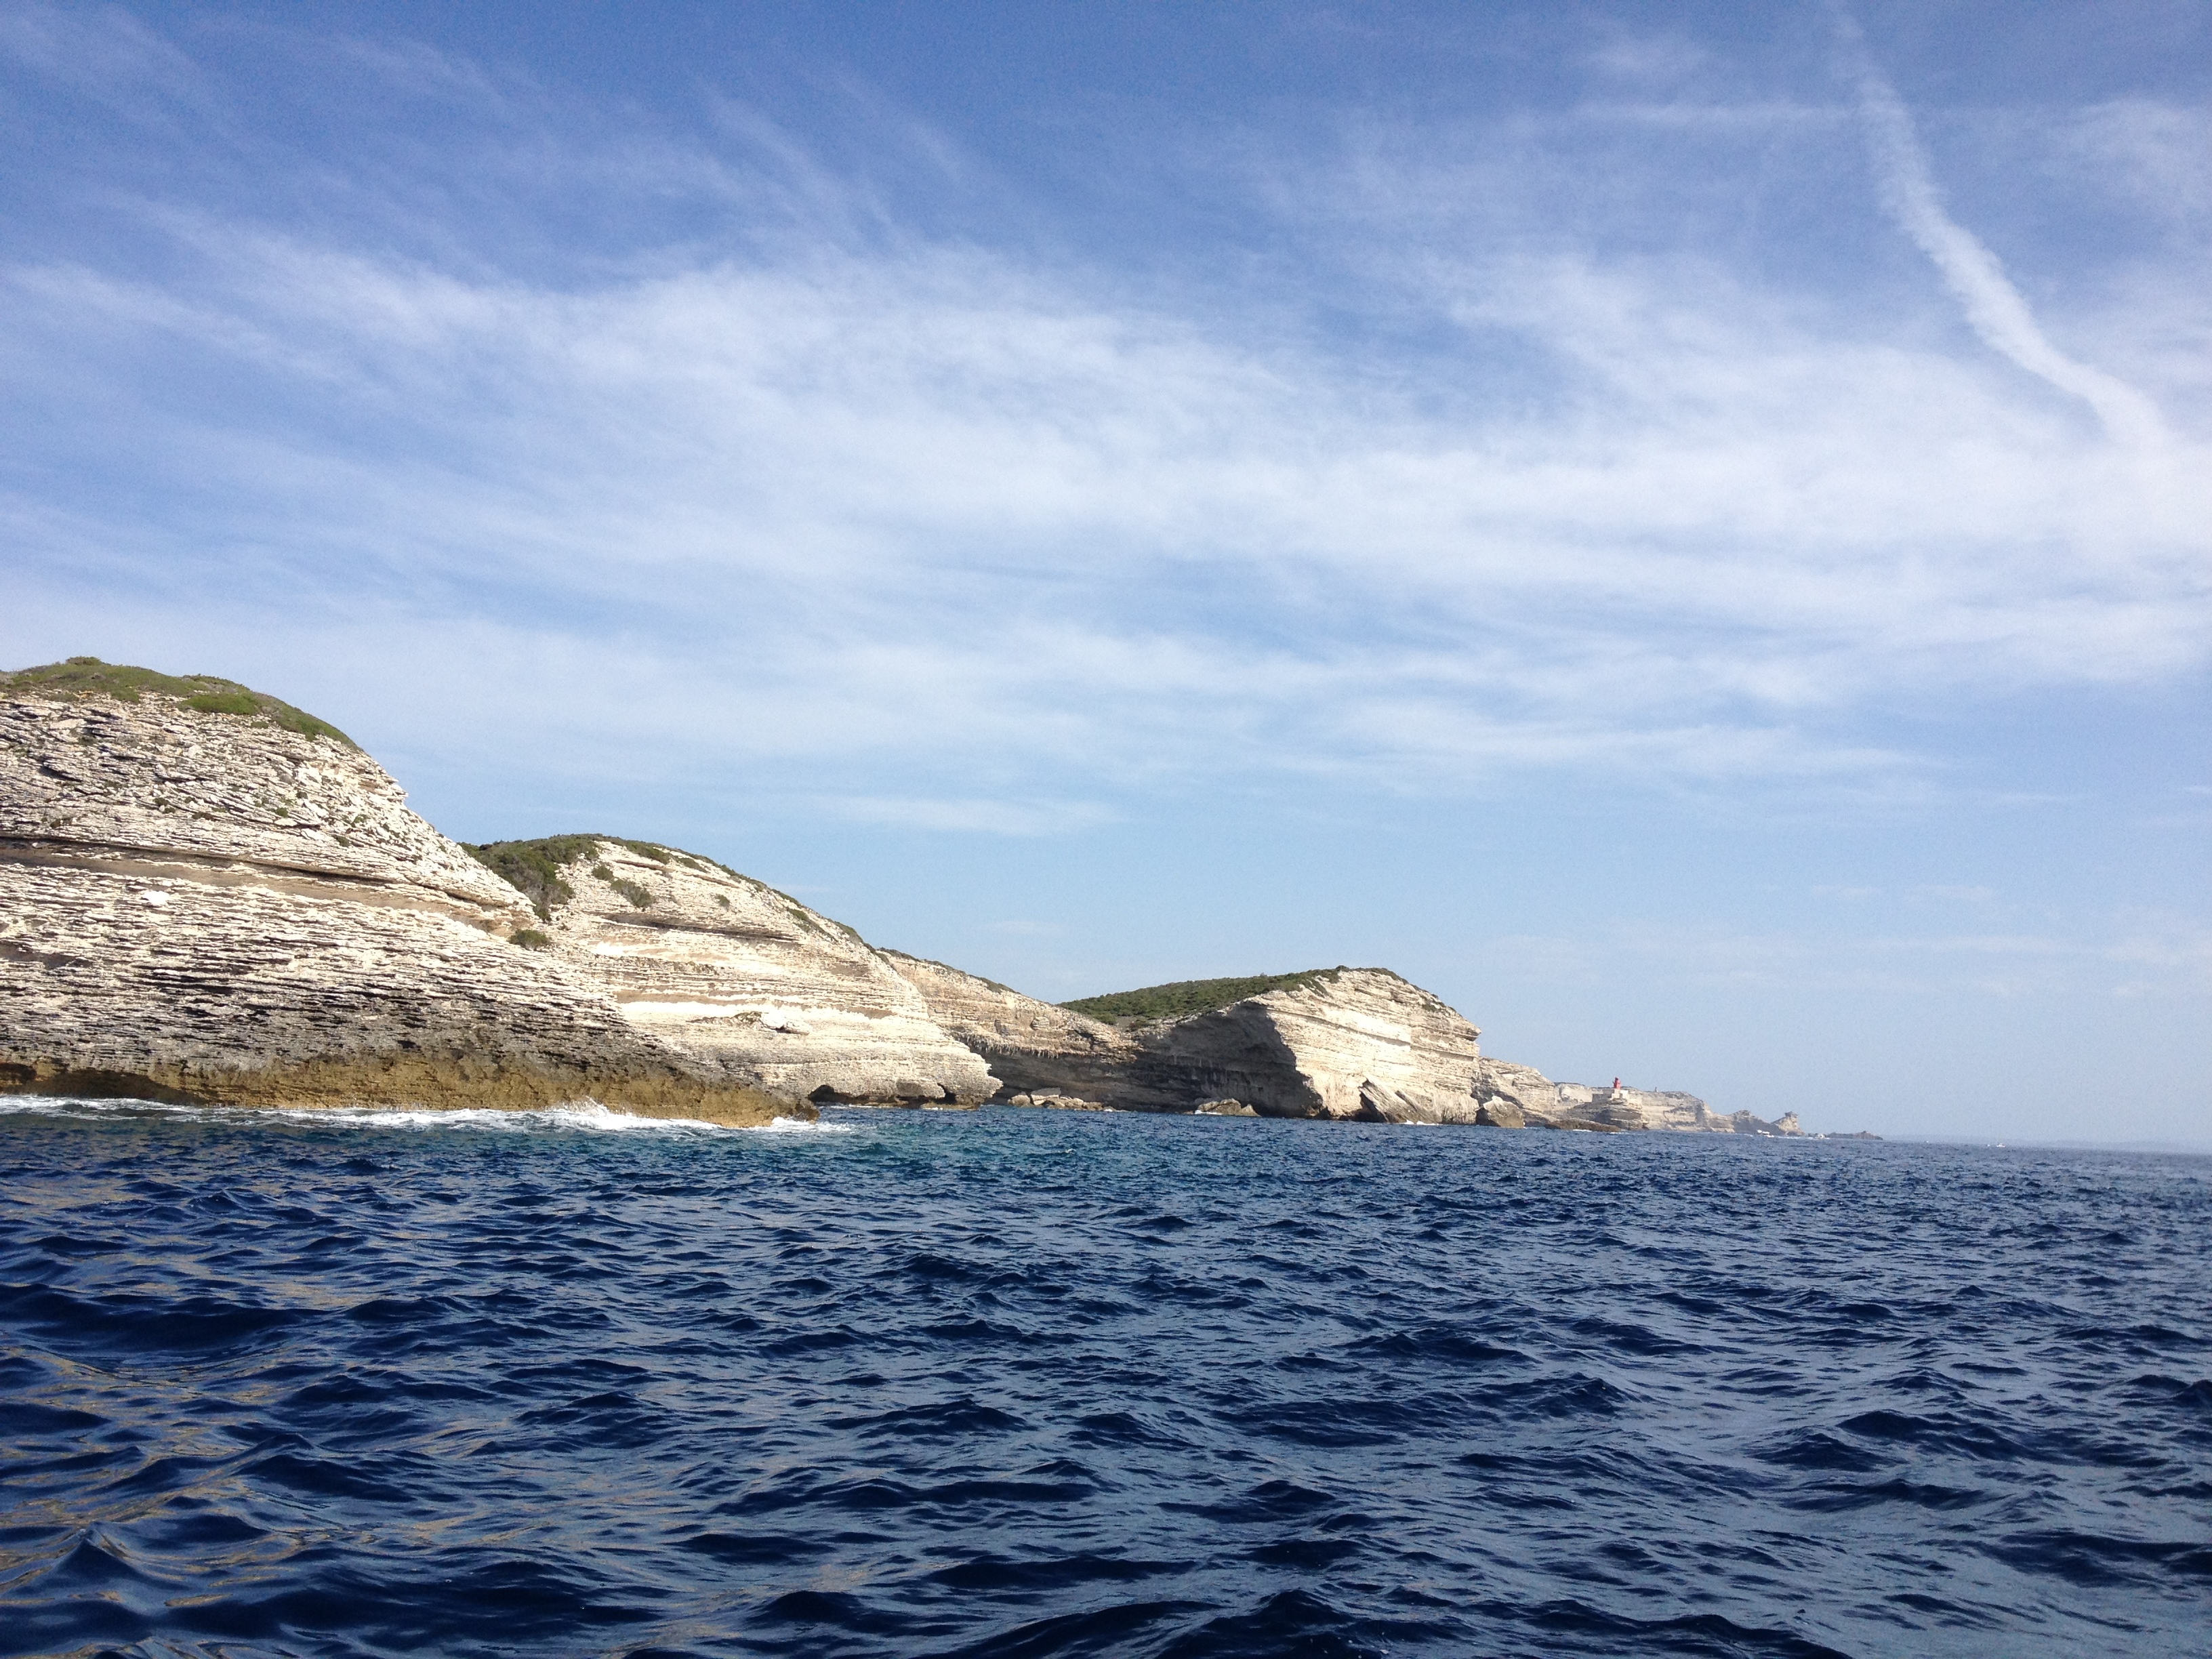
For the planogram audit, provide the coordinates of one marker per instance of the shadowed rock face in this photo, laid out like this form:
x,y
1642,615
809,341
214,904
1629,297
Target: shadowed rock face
x,y
728,968
208,906
1034,1048
1353,1042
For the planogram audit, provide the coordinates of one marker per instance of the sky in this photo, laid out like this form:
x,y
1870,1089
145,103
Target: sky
x,y
1685,529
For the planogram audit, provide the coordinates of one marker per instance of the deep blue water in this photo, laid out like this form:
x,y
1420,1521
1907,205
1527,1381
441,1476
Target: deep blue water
x,y
1027,1383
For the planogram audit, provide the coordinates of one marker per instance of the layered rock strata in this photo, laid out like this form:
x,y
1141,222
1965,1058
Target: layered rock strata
x,y
1355,1042
205,896
1348,1042
729,968
1036,1049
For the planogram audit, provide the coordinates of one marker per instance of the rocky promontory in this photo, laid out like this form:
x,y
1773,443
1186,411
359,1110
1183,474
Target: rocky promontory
x,y
1338,1042
1361,1045
1617,1108
208,895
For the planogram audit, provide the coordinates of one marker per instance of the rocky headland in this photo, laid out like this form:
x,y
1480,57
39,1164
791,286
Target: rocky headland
x,y
1354,1044
207,895
1616,1108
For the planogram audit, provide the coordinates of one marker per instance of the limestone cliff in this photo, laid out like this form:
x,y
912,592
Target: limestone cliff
x,y
1668,1108
206,895
1343,1043
1036,1048
1352,1042
731,969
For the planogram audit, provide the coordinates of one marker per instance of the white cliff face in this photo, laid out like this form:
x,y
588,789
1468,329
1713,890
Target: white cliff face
x,y
214,898
730,969
206,906
1355,1043
1360,1042
1668,1110
228,800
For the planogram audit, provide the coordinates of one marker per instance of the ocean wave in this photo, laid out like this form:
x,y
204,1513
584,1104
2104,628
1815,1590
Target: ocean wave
x,y
575,1383
580,1116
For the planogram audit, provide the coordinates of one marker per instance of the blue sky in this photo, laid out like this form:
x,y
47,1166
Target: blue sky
x,y
1683,528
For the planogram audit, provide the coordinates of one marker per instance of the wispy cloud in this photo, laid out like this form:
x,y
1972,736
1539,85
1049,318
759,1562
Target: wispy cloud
x,y
997,818
2134,956
1993,305
966,536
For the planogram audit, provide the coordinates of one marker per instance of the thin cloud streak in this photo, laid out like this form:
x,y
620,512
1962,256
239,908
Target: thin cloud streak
x,y
1995,308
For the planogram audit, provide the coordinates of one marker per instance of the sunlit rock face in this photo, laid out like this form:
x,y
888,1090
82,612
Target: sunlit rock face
x,y
1352,1042
731,969
1663,1109
206,895
1358,1043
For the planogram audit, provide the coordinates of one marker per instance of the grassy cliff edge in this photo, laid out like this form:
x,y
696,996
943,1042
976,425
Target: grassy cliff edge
x,y
1192,996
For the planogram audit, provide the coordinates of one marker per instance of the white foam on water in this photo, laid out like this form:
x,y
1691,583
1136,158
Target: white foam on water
x,y
585,1117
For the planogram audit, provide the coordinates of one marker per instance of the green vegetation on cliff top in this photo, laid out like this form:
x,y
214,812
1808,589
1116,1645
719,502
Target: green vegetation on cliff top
x,y
1191,996
535,869
88,677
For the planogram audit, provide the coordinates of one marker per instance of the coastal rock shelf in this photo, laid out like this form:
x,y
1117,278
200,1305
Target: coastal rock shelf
x,y
205,896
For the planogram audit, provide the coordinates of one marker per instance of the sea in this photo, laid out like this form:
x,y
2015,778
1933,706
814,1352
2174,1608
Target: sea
x,y
1022,1383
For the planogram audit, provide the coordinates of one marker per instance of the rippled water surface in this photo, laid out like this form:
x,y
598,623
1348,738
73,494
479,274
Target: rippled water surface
x,y
1028,1383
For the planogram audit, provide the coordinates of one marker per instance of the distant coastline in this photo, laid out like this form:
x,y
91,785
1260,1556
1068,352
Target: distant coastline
x,y
208,894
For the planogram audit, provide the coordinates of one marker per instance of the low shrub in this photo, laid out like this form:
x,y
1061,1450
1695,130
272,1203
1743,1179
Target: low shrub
x,y
1190,996
88,677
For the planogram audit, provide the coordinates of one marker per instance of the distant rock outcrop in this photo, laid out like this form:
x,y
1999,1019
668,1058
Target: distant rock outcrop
x,y
1338,1042
206,895
729,968
1346,1043
1662,1109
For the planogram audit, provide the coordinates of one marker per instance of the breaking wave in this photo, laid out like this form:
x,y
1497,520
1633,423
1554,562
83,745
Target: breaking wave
x,y
580,1116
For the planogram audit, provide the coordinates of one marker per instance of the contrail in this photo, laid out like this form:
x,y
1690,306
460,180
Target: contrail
x,y
1994,307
